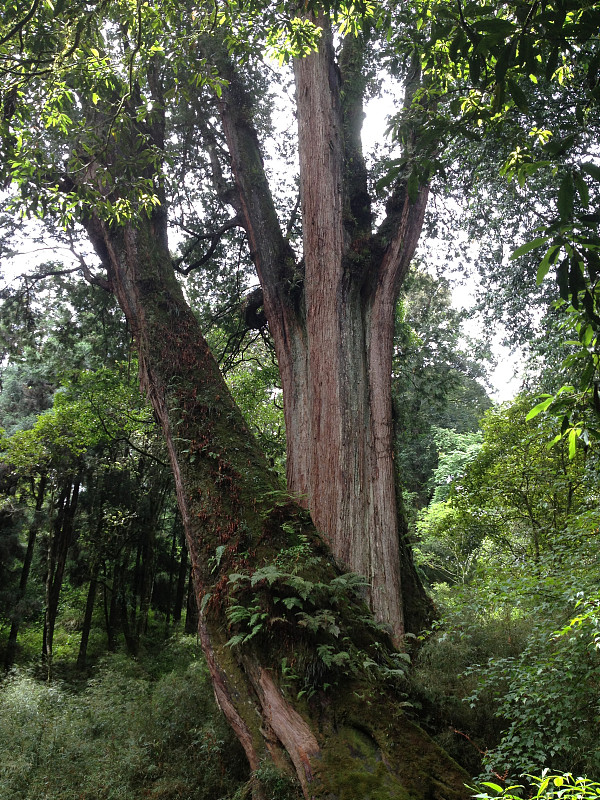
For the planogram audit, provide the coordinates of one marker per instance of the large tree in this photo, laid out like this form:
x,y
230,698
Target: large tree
x,y
331,314
300,671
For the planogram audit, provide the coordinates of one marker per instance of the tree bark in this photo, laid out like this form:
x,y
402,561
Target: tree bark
x,y
355,734
181,575
332,321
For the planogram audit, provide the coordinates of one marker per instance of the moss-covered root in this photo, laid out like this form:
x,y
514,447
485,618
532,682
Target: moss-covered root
x,y
411,767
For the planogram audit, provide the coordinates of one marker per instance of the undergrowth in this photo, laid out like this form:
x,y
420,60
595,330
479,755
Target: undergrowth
x,y
122,735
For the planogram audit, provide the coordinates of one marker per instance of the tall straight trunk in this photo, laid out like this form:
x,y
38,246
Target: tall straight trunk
x,y
334,334
146,584
172,567
225,495
191,607
11,646
87,618
57,559
181,575
111,601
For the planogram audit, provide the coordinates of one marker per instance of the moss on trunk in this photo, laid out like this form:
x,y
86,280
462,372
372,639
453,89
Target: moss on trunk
x,y
305,677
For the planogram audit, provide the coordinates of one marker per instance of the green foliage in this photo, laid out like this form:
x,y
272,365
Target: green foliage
x,y
574,407
547,693
122,735
95,408
274,784
254,384
317,616
524,486
435,385
520,650
515,555
546,787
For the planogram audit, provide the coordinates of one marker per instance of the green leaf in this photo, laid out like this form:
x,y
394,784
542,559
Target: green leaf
x,y
500,26
517,95
573,434
593,170
388,178
562,278
566,197
576,279
596,398
528,246
412,185
582,189
539,408
475,69
549,259
205,601
557,147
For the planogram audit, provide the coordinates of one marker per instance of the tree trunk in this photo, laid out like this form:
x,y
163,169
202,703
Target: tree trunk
x,y
57,559
182,574
11,646
87,618
111,601
332,321
191,607
350,737
172,566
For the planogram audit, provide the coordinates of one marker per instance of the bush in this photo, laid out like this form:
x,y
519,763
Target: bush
x,y
548,787
122,737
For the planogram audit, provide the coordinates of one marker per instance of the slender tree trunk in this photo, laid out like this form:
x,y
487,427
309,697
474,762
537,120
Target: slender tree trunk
x,y
182,574
87,618
171,567
113,617
225,494
11,647
146,584
191,608
57,559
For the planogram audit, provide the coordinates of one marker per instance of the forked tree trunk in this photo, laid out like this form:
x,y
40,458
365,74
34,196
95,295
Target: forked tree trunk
x,y
350,740
332,321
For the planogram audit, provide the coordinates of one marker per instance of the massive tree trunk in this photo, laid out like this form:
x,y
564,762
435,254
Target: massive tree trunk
x,y
350,738
309,683
332,321
350,735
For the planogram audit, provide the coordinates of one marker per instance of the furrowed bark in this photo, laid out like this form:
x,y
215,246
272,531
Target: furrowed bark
x,y
224,491
351,479
339,430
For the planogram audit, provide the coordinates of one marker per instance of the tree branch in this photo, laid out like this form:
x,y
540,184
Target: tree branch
x,y
352,67
271,252
215,237
18,27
